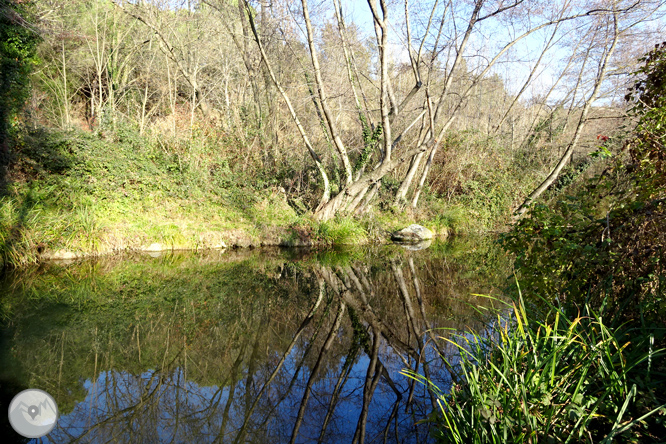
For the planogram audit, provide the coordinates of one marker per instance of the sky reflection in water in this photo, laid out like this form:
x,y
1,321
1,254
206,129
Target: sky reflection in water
x,y
252,349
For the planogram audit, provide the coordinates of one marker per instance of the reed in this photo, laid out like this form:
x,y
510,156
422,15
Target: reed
x,y
568,378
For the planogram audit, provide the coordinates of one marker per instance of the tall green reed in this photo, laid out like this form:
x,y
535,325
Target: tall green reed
x,y
568,378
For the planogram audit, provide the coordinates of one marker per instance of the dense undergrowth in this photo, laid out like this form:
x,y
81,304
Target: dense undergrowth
x,y
579,358
90,166
109,191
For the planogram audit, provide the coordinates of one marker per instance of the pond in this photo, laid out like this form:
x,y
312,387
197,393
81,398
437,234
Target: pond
x,y
260,346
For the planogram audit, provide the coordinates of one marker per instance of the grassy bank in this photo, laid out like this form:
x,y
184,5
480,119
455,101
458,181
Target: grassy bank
x,y
78,193
86,194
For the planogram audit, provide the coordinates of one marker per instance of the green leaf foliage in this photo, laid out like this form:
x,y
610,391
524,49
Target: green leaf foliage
x,y
18,43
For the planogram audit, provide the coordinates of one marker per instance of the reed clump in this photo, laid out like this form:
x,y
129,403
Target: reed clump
x,y
567,378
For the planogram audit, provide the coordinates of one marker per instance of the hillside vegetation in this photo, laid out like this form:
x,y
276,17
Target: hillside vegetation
x,y
188,125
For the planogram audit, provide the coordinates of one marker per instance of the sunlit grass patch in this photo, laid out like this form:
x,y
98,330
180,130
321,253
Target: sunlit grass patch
x,y
342,231
93,195
453,218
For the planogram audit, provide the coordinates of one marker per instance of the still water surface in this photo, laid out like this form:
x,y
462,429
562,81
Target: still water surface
x,y
262,346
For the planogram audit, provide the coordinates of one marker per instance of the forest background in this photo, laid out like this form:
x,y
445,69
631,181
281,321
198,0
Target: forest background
x,y
191,124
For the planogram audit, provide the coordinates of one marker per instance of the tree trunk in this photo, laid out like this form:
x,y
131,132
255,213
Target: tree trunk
x,y
579,128
401,194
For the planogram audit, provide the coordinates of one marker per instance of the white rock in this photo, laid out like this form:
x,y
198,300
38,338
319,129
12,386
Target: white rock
x,y
413,233
64,254
154,247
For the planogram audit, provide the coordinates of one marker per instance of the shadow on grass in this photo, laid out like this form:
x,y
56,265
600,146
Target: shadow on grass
x,y
36,155
15,233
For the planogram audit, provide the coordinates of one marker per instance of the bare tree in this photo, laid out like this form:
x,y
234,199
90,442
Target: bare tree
x,y
604,33
448,68
188,49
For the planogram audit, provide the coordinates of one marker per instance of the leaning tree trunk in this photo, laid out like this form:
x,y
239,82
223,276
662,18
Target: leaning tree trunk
x,y
343,200
579,128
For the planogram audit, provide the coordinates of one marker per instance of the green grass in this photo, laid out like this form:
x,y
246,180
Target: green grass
x,y
91,194
569,378
342,231
94,194
79,192
453,219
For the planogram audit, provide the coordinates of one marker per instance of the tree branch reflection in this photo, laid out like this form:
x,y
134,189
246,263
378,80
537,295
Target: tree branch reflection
x,y
272,351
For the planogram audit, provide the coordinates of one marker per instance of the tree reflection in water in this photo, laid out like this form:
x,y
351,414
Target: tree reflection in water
x,y
315,358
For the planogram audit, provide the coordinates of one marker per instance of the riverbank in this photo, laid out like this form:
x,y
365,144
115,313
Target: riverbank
x,y
76,194
50,233
338,233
